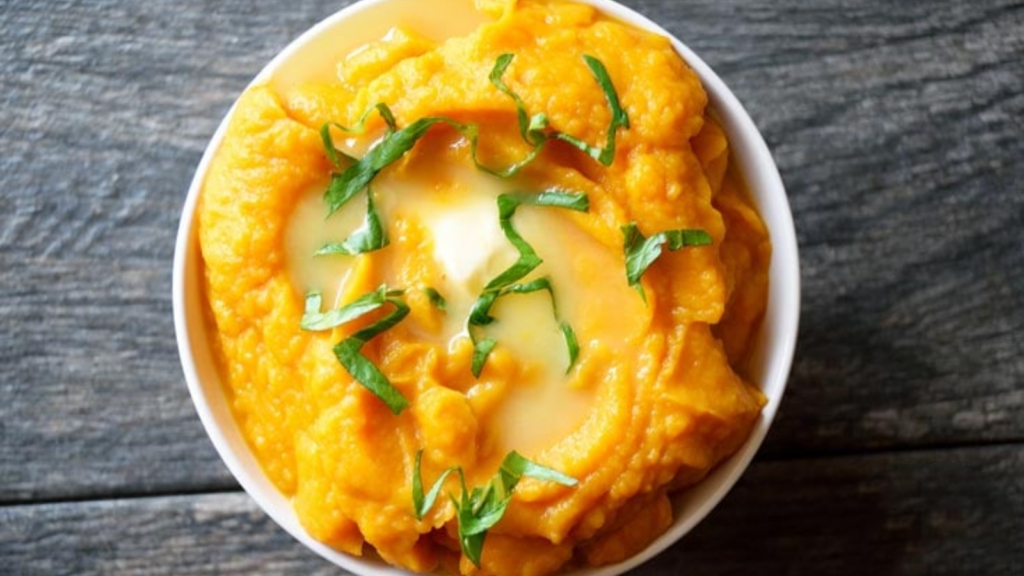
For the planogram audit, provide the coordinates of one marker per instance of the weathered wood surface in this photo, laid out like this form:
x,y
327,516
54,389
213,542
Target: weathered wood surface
x,y
898,130
925,513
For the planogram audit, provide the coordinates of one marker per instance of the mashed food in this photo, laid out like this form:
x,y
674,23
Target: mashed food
x,y
630,391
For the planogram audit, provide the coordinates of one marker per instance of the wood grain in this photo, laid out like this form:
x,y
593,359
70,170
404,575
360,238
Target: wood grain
x,y
896,127
107,108
923,513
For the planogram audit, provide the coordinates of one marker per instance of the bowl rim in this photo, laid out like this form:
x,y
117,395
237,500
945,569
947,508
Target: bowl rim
x,y
747,145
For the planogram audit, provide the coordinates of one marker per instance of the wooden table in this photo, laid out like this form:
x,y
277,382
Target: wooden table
x,y
899,131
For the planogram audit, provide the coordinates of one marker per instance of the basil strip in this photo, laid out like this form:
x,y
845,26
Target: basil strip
x,y
360,173
479,510
392,146
531,128
481,351
365,372
436,299
620,119
348,350
516,466
422,504
314,320
505,283
369,237
641,252
571,343
528,259
333,153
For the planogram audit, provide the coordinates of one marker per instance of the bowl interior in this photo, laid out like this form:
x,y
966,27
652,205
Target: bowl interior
x,y
366,21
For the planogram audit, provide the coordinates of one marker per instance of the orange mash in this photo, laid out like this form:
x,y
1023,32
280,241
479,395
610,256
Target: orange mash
x,y
657,395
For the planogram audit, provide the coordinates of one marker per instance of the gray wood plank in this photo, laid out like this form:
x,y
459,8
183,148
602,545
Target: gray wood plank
x,y
897,129
107,109
896,126
901,514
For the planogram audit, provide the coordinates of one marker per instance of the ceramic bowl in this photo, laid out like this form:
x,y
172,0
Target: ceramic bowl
x,y
312,54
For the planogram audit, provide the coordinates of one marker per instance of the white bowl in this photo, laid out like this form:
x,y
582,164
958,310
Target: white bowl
x,y
366,21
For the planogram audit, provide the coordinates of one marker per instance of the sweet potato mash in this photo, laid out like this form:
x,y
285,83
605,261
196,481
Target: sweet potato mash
x,y
652,397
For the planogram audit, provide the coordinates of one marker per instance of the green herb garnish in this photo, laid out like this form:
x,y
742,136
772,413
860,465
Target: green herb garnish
x,y
571,343
347,182
348,350
392,146
314,320
336,155
480,316
641,252
479,510
532,128
505,283
436,299
369,237
395,143
481,351
604,155
422,504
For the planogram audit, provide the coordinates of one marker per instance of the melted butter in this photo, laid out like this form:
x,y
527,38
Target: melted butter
x,y
540,407
315,60
458,205
544,407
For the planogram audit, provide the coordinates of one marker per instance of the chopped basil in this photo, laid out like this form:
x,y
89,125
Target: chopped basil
x,y
481,350
604,155
505,283
369,237
528,259
480,316
348,350
333,154
436,299
571,343
341,189
346,184
393,145
479,510
422,504
359,128
532,128
641,252
314,320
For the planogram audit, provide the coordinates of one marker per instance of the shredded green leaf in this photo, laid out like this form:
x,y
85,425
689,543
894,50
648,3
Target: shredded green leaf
x,y
481,351
479,510
505,283
528,259
641,252
422,504
365,372
605,155
532,128
333,154
348,350
571,343
436,299
396,142
314,320
369,237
